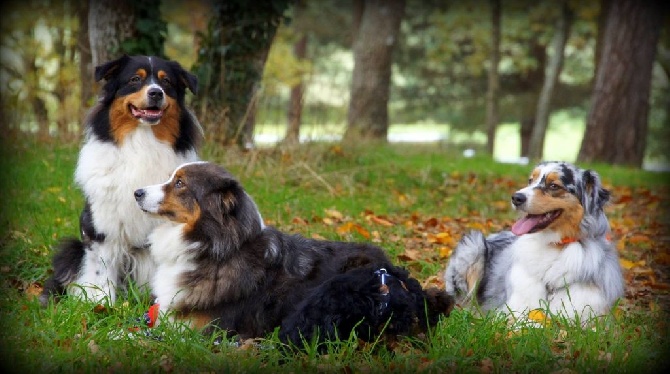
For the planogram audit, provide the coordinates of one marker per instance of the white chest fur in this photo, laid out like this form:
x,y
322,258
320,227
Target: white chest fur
x,y
172,257
108,174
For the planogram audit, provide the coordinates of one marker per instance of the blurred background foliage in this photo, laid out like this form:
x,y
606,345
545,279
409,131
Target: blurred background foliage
x,y
439,71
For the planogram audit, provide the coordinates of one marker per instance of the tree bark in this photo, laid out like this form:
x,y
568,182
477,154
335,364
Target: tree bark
x,y
109,23
230,67
530,86
295,104
85,60
492,116
296,99
554,68
616,126
373,48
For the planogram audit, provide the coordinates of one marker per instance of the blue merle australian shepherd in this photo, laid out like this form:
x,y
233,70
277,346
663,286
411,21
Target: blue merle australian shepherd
x,y
557,256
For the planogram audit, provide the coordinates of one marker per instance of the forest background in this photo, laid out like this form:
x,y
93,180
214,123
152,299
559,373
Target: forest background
x,y
513,79
307,102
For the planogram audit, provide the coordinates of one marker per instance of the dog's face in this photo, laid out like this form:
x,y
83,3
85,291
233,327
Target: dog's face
x,y
192,188
209,202
558,196
144,90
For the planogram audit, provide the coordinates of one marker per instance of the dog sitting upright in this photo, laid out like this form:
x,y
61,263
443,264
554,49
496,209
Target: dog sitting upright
x,y
558,255
218,264
136,134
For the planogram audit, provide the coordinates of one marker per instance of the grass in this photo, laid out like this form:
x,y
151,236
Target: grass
x,y
313,190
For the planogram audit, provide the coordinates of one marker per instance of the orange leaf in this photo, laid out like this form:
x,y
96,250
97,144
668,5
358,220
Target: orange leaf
x,y
350,226
345,228
299,221
537,315
444,238
33,290
627,264
362,231
445,252
381,221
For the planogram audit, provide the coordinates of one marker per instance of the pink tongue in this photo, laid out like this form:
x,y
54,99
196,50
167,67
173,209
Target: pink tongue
x,y
525,224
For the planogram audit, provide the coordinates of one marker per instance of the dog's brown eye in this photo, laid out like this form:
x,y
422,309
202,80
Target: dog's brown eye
x,y
178,183
166,80
554,186
135,79
530,180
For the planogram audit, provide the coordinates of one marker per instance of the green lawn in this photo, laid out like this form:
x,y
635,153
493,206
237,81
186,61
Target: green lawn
x,y
429,194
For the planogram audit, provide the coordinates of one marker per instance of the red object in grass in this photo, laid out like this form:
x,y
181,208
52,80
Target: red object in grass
x,y
153,315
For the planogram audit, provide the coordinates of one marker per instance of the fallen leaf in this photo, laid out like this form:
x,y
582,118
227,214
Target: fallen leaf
x,y
299,221
627,264
33,290
445,252
409,255
381,221
538,316
92,347
335,214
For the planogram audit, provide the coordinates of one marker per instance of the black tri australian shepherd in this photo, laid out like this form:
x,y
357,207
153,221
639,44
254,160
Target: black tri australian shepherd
x,y
136,134
558,256
218,264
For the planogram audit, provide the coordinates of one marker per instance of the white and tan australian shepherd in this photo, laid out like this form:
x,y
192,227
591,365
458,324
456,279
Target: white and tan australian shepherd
x,y
137,133
557,257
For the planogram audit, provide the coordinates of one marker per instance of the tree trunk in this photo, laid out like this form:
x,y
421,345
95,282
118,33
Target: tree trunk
x,y
370,84
492,117
295,101
530,85
551,78
616,126
109,24
230,67
85,60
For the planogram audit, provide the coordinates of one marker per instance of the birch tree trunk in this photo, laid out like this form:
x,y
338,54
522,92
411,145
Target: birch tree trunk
x,y
492,117
536,147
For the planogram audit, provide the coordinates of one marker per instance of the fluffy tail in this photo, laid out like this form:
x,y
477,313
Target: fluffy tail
x,y
66,265
466,267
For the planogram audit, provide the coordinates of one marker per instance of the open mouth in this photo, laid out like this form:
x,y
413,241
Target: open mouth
x,y
535,222
150,114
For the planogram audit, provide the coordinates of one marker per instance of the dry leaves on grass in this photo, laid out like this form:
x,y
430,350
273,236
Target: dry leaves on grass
x,y
639,220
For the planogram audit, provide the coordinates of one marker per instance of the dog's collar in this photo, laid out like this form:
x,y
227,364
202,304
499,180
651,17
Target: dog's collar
x,y
384,289
565,241
569,240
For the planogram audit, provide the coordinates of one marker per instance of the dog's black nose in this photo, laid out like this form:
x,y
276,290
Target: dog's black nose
x,y
518,199
139,194
155,93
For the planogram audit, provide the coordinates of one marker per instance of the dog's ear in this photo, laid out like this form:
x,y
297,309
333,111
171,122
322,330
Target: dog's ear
x,y
594,196
111,68
222,198
186,78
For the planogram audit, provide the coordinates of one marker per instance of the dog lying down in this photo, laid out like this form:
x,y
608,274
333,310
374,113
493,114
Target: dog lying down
x,y
557,256
219,265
